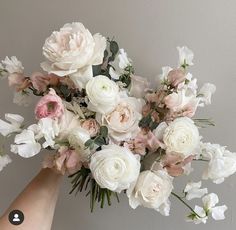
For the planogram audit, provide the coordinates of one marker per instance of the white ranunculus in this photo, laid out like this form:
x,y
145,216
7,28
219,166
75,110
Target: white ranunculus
x,y
25,144
193,190
103,94
72,51
12,127
151,190
4,161
206,92
123,121
115,167
13,65
185,56
181,137
222,162
77,139
120,63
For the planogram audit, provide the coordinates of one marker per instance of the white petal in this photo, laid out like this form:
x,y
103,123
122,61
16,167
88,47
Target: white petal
x,y
218,213
210,200
26,150
82,76
14,118
193,190
6,128
164,209
100,46
4,161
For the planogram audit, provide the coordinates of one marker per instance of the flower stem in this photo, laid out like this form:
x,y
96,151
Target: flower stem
x,y
187,205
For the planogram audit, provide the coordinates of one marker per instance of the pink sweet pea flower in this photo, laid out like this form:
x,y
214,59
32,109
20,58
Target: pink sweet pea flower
x,y
50,106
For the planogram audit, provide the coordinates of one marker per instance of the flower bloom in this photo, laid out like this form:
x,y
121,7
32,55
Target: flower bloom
x,y
50,106
114,167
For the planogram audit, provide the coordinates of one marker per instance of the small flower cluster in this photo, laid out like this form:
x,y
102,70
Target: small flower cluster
x,y
107,127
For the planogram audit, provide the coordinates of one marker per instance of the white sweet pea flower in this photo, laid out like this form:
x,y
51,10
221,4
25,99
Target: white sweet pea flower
x,y
49,129
222,163
165,72
120,63
115,167
193,190
206,93
13,65
4,161
77,140
13,127
185,56
72,51
209,204
181,137
103,94
151,190
199,216
25,144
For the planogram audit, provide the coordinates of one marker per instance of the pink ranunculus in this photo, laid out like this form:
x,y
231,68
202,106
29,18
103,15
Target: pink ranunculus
x,y
65,161
92,126
176,76
50,106
138,86
40,81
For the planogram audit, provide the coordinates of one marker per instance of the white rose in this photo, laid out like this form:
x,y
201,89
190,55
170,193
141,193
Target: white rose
x,y
151,190
77,139
181,137
222,162
103,94
115,167
123,121
185,56
72,51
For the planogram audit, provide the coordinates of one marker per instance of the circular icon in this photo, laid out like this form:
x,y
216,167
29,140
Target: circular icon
x,y
16,217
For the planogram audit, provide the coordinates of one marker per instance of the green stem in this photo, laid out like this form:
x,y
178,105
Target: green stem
x,y
187,205
201,160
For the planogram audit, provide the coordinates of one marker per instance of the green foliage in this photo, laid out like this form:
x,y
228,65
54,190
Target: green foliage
x,y
204,122
147,122
83,181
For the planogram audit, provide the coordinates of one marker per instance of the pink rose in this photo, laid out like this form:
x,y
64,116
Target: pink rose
x,y
176,76
40,81
50,106
65,161
92,126
138,86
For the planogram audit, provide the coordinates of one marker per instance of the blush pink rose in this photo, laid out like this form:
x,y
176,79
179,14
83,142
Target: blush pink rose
x,y
92,126
176,76
50,106
40,81
65,161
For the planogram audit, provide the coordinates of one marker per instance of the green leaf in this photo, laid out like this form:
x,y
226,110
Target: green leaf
x,y
89,144
114,48
103,131
99,141
145,121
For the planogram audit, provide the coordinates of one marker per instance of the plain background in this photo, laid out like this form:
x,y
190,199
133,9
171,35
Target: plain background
x,y
149,30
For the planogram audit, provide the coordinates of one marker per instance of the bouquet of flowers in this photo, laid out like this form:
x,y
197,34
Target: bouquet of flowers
x,y
110,130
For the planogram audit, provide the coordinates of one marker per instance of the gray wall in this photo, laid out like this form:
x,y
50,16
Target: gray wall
x,y
149,30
